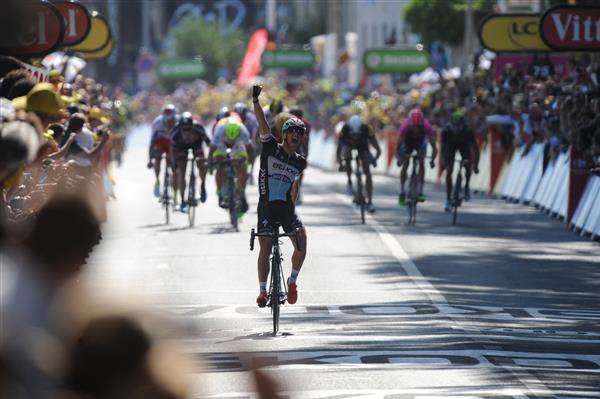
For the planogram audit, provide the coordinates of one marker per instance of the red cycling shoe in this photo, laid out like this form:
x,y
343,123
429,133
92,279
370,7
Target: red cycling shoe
x,y
261,300
292,293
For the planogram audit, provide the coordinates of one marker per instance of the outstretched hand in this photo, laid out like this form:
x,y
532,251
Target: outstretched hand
x,y
256,89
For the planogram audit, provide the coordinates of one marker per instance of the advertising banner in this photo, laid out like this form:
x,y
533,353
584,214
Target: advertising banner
x,y
254,50
180,69
100,54
571,28
44,33
77,21
288,59
512,33
540,65
98,36
39,74
389,60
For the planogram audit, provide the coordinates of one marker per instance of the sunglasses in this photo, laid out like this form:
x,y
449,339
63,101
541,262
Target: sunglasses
x,y
298,130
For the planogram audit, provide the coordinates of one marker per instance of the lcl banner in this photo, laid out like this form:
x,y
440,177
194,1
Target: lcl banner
x,y
511,33
571,28
77,21
98,37
45,29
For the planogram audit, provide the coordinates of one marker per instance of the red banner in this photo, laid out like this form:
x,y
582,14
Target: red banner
x,y
77,21
573,28
251,63
45,29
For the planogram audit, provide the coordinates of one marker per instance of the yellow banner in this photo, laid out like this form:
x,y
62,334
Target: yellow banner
x,y
512,32
98,37
102,53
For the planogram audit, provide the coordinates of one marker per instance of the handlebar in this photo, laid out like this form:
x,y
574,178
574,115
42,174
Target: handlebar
x,y
254,234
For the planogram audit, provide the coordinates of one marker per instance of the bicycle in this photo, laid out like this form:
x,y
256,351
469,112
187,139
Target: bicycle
x,y
457,191
275,296
413,184
165,199
192,201
229,187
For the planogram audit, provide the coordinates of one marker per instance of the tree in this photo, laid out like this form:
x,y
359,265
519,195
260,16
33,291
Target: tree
x,y
442,20
195,38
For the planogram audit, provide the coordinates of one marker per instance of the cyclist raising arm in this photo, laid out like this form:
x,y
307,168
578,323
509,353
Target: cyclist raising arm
x,y
280,167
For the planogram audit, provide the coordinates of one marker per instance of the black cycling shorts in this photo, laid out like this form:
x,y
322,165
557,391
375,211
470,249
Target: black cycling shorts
x,y
269,214
450,152
181,151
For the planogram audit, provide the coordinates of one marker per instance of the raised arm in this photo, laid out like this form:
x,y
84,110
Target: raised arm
x,y
263,126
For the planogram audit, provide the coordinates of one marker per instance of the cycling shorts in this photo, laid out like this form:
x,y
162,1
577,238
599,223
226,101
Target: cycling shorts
x,y
450,152
408,146
363,150
160,146
282,212
181,151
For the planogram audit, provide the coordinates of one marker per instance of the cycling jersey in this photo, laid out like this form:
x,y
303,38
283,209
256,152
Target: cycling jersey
x,y
221,143
358,140
457,137
278,171
416,132
181,146
160,139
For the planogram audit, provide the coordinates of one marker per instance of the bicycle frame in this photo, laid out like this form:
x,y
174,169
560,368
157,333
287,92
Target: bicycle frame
x,y
229,187
360,197
457,190
165,199
276,297
192,203
412,190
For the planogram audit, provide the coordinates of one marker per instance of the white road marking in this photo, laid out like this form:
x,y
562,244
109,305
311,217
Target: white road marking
x,y
162,266
400,254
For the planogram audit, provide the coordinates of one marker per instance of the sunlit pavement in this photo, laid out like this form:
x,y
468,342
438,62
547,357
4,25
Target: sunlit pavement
x,y
506,304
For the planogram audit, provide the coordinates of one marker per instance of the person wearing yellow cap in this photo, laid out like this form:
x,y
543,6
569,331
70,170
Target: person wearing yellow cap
x,y
56,78
44,101
232,134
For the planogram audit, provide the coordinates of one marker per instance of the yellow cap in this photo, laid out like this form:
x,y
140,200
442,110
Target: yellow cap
x,y
97,114
42,98
55,76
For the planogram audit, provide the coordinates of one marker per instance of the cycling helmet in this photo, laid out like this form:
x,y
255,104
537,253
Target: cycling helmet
x,y
297,112
232,130
354,122
223,113
187,121
416,116
168,111
456,117
241,109
293,125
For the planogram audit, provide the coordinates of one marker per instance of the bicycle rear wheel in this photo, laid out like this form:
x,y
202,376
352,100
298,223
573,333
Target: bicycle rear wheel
x,y
192,201
165,199
456,199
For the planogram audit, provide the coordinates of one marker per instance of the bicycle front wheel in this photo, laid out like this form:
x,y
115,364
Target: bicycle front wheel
x,y
192,203
275,294
166,200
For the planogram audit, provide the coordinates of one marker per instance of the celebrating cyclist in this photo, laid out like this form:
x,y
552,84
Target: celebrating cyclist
x,y
356,135
160,141
414,133
188,135
280,167
231,133
456,135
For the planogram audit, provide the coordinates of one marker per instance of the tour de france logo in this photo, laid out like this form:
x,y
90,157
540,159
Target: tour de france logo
x,y
373,60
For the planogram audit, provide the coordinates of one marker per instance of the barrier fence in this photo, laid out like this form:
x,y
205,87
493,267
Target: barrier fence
x,y
561,187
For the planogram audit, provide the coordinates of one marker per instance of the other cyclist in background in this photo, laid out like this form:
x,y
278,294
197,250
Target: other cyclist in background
x,y
280,167
303,149
251,124
160,141
222,114
231,133
357,135
415,131
456,135
188,135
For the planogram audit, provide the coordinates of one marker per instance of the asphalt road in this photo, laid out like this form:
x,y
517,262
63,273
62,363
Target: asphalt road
x,y
506,304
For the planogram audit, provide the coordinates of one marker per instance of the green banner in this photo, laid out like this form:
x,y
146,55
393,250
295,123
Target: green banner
x,y
180,69
384,60
288,59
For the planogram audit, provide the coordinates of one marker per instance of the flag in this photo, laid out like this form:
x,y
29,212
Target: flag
x,y
251,63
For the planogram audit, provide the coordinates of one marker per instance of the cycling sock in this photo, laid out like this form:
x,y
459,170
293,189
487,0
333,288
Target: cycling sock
x,y
263,286
293,276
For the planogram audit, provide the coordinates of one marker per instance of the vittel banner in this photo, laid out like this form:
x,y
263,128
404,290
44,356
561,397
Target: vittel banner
x,y
571,28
